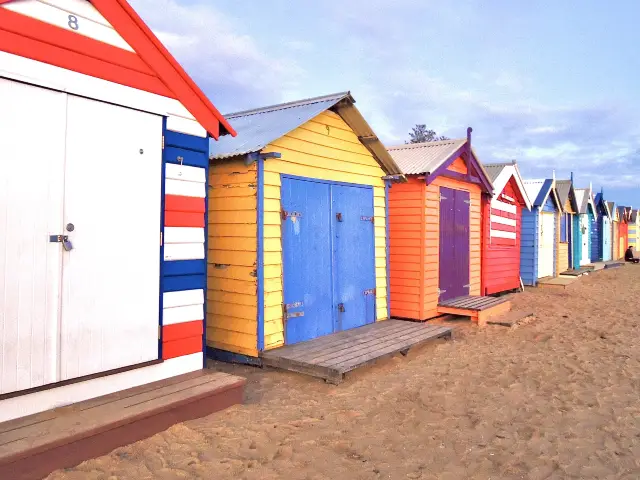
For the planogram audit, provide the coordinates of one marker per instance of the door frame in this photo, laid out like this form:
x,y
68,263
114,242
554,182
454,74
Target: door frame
x,y
333,274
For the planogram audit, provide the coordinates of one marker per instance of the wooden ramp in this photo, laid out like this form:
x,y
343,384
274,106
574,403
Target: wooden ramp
x,y
614,264
479,309
576,272
331,356
557,282
34,446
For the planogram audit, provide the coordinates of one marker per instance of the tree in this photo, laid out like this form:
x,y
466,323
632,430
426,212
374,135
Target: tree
x,y
420,134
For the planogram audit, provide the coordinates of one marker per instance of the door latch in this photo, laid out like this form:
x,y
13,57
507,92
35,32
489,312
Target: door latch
x,y
339,216
63,239
341,307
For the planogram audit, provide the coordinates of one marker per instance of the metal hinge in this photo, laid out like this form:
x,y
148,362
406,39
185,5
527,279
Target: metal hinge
x,y
286,214
440,292
367,219
468,202
159,332
163,142
468,285
161,238
442,197
369,291
288,306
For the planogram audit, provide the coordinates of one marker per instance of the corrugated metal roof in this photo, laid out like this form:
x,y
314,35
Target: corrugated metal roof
x,y
495,169
418,158
563,187
612,206
622,211
634,216
259,127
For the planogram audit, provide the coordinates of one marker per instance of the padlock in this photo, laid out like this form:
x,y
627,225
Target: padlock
x,y
67,245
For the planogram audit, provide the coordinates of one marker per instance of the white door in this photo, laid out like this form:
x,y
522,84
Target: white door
x,y
32,129
547,244
111,277
606,234
584,227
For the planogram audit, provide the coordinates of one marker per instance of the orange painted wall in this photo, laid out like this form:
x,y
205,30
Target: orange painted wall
x,y
414,242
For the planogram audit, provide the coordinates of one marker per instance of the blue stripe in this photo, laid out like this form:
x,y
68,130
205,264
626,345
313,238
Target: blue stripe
x,y
260,272
185,267
184,282
387,186
176,139
189,157
231,357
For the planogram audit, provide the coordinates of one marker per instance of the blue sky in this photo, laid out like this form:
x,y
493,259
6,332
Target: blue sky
x,y
551,84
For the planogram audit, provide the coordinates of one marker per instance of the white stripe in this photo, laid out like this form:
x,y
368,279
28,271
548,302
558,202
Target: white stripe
x,y
190,313
187,189
505,207
183,235
183,251
497,219
507,197
71,19
185,173
183,298
501,234
185,125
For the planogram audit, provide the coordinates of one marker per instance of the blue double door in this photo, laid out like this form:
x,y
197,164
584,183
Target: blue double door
x,y
328,257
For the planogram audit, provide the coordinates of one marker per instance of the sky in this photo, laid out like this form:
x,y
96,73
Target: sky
x,y
552,85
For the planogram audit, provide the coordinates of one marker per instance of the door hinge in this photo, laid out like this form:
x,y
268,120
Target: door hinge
x,y
440,292
288,306
159,332
468,285
286,214
162,142
468,202
161,238
369,291
367,219
442,197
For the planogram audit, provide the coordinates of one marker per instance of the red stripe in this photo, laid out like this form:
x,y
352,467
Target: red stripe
x,y
183,219
178,203
59,57
69,40
503,214
503,228
179,331
179,348
507,242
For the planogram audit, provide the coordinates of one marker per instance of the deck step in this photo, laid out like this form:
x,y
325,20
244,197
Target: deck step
x,y
557,282
479,309
512,318
331,356
34,446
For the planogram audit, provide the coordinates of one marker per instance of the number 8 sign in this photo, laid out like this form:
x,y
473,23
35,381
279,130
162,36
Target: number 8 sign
x,y
73,22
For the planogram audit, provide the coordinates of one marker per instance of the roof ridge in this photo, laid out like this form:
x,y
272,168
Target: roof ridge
x,y
297,103
435,143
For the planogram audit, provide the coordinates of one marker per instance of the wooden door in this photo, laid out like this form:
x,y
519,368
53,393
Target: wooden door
x,y
546,248
454,243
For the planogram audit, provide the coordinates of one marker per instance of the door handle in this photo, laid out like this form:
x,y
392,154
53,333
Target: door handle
x,y
341,307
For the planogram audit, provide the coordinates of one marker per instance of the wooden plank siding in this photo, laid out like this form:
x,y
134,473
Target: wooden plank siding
x,y
324,148
529,246
414,221
232,311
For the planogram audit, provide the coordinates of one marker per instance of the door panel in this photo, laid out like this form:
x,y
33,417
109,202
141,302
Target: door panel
x,y
606,232
111,277
584,225
355,279
31,182
454,243
547,244
307,256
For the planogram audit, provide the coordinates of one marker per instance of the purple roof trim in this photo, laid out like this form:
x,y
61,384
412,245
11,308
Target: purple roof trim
x,y
472,162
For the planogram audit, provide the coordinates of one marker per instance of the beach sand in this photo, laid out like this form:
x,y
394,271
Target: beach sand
x,y
557,398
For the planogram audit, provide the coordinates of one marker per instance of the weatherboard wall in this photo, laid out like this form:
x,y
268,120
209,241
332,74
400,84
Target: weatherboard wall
x,y
529,247
501,256
324,148
414,241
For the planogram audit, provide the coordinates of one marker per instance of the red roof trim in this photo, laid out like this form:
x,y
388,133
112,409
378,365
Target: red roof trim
x,y
137,34
172,80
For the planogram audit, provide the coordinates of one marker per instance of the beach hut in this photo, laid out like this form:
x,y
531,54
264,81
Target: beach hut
x,y
502,221
103,164
634,230
615,230
583,225
298,246
623,230
436,227
567,198
603,228
539,232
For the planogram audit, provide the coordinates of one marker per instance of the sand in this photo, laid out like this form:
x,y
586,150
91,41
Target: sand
x,y
554,399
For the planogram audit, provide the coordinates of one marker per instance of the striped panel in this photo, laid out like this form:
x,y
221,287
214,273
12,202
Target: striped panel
x,y
503,224
184,244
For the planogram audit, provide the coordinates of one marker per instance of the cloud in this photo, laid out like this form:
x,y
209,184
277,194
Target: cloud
x,y
227,63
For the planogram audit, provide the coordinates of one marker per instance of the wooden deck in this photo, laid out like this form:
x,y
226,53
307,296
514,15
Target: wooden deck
x,y
479,309
331,356
557,282
577,272
34,446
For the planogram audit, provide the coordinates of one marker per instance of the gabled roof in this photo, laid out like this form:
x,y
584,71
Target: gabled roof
x,y
566,191
138,59
431,158
584,198
501,173
599,200
634,216
539,190
623,213
612,208
259,127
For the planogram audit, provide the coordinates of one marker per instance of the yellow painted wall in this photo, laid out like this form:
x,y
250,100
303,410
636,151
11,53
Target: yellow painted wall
x,y
324,148
232,311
